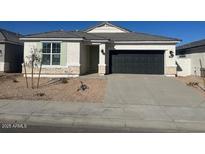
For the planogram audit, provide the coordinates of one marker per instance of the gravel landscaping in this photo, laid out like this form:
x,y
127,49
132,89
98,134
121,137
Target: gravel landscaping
x,y
68,90
195,82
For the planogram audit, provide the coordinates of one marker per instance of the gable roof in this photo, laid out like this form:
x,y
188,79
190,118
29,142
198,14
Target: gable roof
x,y
135,36
8,36
106,23
192,44
66,34
84,35
132,36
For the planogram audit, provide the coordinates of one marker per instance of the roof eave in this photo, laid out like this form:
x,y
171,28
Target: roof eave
x,y
53,39
154,42
11,42
103,41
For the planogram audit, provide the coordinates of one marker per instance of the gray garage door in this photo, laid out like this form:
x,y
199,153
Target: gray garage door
x,y
137,61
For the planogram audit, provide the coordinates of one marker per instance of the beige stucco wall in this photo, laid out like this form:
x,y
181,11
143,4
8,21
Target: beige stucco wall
x,y
70,58
28,46
84,59
197,59
102,59
73,53
77,58
2,48
184,66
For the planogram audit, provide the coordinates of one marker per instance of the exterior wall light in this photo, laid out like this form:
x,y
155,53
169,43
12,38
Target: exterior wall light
x,y
103,52
171,54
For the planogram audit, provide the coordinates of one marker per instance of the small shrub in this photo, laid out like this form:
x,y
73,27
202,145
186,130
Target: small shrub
x,y
82,87
40,94
15,80
64,80
192,84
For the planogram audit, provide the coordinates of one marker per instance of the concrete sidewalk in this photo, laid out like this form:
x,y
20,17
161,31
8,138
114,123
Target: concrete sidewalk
x,y
120,117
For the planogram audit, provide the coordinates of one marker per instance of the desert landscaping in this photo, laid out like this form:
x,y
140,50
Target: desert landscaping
x,y
13,86
195,82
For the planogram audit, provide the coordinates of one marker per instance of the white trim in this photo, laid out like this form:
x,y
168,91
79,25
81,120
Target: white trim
x,y
109,24
167,75
60,66
73,65
51,52
51,41
95,43
54,76
63,39
153,42
101,64
165,61
53,66
99,41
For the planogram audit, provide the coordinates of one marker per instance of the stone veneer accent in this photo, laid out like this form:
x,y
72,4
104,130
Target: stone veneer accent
x,y
102,69
4,66
71,70
171,70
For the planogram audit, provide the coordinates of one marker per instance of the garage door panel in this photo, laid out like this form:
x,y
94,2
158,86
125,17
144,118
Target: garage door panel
x,y
137,62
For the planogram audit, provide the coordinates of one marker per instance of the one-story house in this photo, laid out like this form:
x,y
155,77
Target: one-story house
x,y
191,58
103,49
11,51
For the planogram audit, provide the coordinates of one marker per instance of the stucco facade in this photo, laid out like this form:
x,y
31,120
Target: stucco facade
x,y
2,53
183,66
79,56
194,57
69,59
75,57
197,62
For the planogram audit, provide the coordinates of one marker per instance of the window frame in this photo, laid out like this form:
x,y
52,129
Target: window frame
x,y
51,53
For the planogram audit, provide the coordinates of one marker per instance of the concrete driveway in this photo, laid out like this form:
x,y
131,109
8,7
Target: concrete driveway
x,y
133,103
150,90
156,102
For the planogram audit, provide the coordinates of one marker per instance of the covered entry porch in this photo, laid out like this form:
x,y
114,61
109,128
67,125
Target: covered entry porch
x,y
92,59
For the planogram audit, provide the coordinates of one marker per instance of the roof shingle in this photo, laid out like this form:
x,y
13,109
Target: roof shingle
x,y
132,36
9,36
192,44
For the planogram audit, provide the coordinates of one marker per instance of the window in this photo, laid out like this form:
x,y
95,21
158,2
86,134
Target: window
x,y
51,54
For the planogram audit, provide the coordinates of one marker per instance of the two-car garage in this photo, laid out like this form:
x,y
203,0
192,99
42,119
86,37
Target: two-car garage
x,y
136,61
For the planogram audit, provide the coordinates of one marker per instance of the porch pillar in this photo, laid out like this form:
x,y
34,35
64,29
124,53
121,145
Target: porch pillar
x,y
102,64
170,62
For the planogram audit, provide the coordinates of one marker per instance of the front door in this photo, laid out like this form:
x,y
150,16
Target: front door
x,y
94,59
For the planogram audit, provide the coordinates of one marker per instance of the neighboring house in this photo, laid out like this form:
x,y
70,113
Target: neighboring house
x,y
192,56
11,52
103,49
